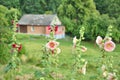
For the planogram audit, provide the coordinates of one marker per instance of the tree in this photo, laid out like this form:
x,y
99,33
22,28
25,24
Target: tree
x,y
110,7
77,11
3,19
10,3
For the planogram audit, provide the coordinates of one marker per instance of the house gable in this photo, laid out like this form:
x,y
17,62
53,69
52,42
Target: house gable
x,y
55,21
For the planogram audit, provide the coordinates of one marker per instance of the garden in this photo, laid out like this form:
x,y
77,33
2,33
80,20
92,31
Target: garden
x,y
33,57
89,51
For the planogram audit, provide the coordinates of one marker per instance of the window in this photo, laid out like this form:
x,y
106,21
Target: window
x,y
32,28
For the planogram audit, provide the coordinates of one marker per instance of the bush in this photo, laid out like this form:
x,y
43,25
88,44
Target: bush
x,y
4,53
5,34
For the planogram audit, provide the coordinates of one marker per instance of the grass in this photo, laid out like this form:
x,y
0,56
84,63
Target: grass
x,y
34,44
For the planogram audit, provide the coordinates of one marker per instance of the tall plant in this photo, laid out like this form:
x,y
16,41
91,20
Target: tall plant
x,y
79,64
49,59
16,47
106,61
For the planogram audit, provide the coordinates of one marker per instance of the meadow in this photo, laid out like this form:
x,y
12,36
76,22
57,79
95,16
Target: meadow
x,y
31,59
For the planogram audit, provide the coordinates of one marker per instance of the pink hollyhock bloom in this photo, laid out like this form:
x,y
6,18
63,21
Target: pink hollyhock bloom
x,y
111,76
49,28
99,40
109,46
52,45
83,49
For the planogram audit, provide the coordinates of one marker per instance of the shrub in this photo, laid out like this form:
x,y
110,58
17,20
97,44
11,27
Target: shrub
x,y
5,35
4,53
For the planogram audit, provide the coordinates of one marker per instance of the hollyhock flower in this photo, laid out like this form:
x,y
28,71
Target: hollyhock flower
x,y
109,46
74,41
56,28
99,40
83,70
14,45
17,25
105,74
52,45
49,28
83,49
111,76
19,48
58,50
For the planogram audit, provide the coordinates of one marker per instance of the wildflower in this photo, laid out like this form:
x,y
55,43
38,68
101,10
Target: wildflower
x,y
111,76
14,45
83,49
105,74
49,28
19,48
58,50
52,45
17,25
99,40
83,70
56,28
74,41
109,46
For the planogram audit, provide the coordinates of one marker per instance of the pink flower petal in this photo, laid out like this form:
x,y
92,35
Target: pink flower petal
x,y
109,46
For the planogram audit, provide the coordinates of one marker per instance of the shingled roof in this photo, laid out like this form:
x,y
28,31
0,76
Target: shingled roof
x,y
31,19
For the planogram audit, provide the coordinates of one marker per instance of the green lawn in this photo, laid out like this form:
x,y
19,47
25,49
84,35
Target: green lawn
x,y
34,44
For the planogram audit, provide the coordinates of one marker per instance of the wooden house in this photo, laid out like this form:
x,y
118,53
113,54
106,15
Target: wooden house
x,y
39,25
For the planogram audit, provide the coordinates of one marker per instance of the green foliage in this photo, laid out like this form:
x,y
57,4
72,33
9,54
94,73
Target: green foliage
x,y
7,15
10,3
10,14
76,13
3,19
4,53
5,35
69,24
110,7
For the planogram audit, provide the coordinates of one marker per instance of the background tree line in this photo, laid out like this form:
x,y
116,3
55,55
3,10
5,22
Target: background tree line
x,y
95,15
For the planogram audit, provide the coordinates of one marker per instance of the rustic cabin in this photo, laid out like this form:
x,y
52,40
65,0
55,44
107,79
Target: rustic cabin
x,y
39,25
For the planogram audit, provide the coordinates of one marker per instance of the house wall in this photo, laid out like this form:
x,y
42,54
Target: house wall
x,y
37,30
43,30
60,33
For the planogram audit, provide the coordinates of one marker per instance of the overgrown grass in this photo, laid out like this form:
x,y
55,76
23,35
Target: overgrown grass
x,y
34,44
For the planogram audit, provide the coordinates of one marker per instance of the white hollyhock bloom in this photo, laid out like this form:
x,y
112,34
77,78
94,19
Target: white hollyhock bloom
x,y
58,50
83,70
99,40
